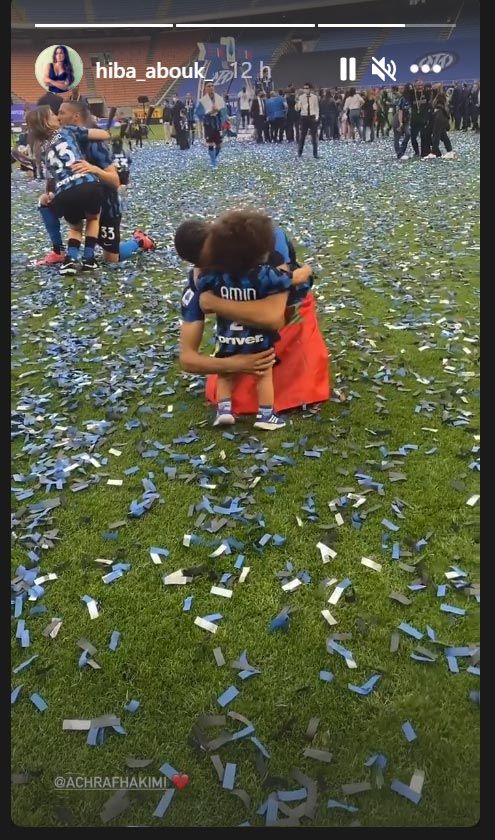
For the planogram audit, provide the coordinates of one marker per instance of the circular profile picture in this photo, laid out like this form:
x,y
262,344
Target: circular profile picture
x,y
58,68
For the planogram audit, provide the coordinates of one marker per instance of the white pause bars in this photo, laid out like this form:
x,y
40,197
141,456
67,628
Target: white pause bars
x,y
347,69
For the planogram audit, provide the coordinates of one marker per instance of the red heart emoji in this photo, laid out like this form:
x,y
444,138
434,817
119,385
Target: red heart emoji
x,y
180,780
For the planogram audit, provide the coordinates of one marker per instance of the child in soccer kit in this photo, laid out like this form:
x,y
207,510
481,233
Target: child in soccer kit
x,y
122,163
236,266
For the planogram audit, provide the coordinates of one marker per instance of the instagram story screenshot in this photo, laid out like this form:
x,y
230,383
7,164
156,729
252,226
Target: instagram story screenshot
x,y
230,220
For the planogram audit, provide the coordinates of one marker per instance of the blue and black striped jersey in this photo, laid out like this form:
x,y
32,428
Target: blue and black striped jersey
x,y
259,283
190,308
99,154
61,151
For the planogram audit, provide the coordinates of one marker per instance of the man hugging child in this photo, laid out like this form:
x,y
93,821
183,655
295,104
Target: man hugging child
x,y
236,264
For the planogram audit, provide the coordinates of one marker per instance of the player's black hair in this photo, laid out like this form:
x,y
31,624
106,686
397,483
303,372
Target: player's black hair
x,y
80,107
52,100
189,239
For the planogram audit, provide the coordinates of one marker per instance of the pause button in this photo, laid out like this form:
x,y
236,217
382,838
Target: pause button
x,y
348,69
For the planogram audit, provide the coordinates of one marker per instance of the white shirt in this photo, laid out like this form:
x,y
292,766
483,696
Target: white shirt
x,y
244,100
353,103
308,105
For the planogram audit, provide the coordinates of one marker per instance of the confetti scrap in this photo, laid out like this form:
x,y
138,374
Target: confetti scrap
x,y
365,561
168,771
326,676
411,631
227,696
398,596
312,728
452,663
229,776
390,525
448,608
318,755
394,642
332,803
15,694
327,615
205,625
367,687
355,787
219,657
326,552
338,591
91,605
219,590
408,731
38,701
417,781
404,790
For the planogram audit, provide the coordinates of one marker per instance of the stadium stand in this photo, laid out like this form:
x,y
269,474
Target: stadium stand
x,y
465,30
399,37
345,39
35,12
93,11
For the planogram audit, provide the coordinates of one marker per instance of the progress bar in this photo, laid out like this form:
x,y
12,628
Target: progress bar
x,y
209,25
103,25
385,25
246,25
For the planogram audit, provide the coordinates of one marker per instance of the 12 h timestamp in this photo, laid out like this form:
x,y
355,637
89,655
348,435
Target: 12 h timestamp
x,y
246,67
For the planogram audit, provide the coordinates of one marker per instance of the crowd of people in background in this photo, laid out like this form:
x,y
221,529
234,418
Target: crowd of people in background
x,y
134,130
410,112
345,114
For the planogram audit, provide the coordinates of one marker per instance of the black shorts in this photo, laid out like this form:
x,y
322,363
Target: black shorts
x,y
109,233
124,178
213,135
78,202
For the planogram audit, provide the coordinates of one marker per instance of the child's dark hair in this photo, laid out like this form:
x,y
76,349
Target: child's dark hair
x,y
238,241
117,146
189,239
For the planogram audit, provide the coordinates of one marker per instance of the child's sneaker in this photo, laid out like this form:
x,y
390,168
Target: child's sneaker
x,y
224,418
50,259
269,422
69,266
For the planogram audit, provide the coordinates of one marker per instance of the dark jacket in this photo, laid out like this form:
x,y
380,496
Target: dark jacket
x,y
177,108
441,119
255,110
